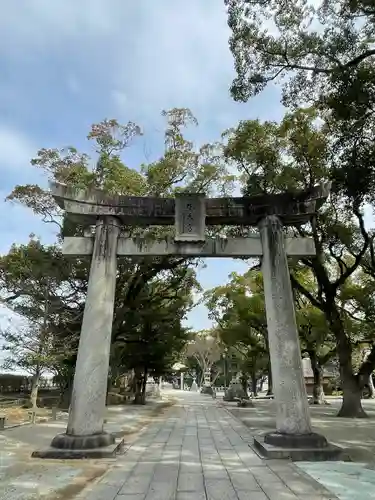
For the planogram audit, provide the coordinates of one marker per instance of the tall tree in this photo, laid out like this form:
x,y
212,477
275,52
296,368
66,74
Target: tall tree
x,y
324,47
205,348
181,166
238,309
34,349
322,54
152,336
296,154
317,341
47,290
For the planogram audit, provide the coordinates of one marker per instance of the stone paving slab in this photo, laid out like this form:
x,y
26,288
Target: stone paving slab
x,y
201,452
350,481
23,478
359,443
26,478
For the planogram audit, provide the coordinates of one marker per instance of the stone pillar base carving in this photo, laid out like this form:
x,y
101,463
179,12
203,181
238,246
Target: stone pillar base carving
x,y
68,442
296,447
73,447
312,440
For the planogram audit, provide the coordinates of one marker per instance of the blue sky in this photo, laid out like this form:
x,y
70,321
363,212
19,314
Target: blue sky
x,y
66,64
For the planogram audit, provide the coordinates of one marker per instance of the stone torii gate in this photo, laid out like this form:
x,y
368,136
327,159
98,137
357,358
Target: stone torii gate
x,y
189,213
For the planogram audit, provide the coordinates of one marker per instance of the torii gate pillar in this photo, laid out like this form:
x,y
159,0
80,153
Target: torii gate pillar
x,y
293,424
85,436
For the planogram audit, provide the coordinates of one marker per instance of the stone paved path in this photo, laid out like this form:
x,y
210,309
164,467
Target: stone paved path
x,y
201,452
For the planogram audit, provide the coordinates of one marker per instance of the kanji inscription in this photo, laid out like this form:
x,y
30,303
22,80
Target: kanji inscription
x,y
190,218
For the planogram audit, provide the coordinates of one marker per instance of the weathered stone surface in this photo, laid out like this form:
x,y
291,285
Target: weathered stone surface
x,y
292,409
312,440
67,442
218,247
90,381
201,452
107,451
190,482
190,217
290,207
313,454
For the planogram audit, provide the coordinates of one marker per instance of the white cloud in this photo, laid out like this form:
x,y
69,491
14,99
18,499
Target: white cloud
x,y
153,55
16,149
17,222
45,26
180,57
72,62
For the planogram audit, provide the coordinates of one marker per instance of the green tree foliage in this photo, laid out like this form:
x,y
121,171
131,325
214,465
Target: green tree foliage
x,y
152,337
205,348
296,154
36,350
239,311
322,54
182,166
316,337
38,283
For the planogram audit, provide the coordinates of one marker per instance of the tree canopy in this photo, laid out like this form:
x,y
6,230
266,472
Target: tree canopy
x,y
298,153
238,310
153,295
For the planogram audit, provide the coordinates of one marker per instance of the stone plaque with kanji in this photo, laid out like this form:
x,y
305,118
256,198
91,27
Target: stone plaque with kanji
x,y
190,217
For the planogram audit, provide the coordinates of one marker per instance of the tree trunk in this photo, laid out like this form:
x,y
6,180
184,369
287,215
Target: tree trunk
x,y
66,396
34,389
318,391
110,385
270,382
371,387
254,387
65,379
139,395
351,398
144,385
132,383
244,383
351,385
351,403
215,377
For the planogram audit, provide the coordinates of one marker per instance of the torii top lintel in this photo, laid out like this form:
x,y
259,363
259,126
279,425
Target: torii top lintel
x,y
84,206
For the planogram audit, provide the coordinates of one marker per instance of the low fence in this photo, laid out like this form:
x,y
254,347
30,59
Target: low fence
x,y
9,402
20,383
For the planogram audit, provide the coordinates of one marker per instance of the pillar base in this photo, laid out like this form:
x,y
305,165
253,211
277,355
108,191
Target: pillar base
x,y
67,447
311,440
71,442
298,450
